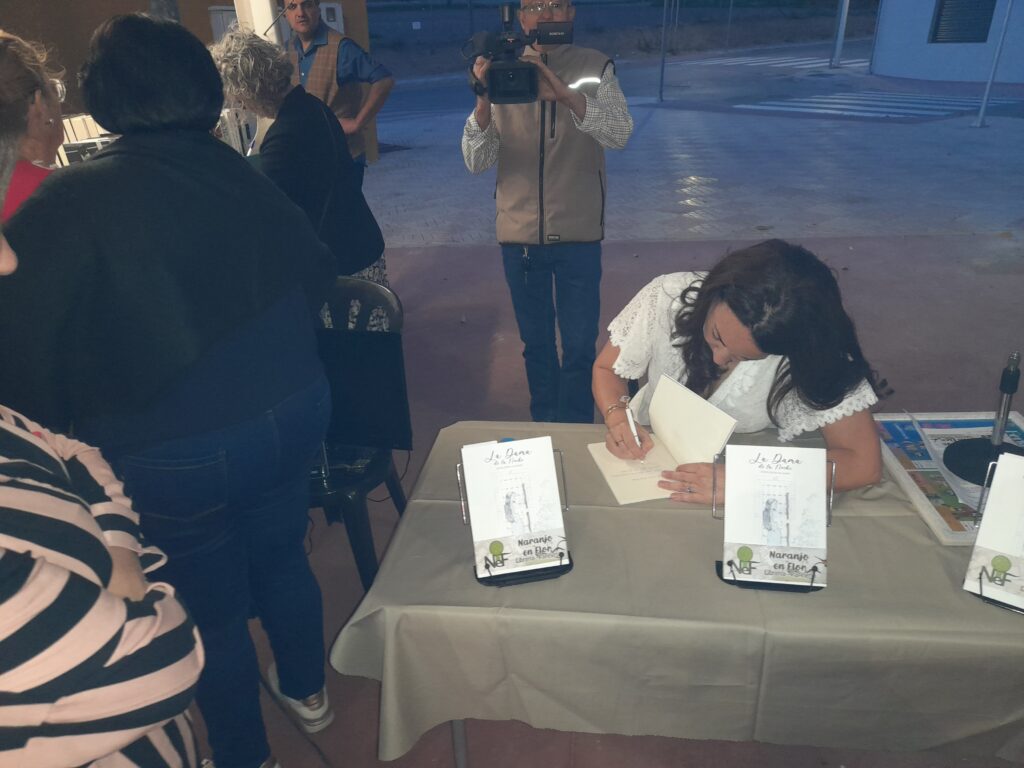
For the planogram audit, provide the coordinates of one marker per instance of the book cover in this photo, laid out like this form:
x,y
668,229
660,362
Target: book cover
x,y
996,568
775,514
514,505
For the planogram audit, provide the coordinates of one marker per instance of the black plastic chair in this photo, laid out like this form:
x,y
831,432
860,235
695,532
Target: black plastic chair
x,y
361,348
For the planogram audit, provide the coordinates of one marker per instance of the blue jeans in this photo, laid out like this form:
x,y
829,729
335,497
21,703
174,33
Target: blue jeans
x,y
562,282
230,510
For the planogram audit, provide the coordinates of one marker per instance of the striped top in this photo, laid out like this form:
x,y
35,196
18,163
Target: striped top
x,y
87,678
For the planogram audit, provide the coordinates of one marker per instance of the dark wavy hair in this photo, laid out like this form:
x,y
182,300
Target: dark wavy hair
x,y
790,302
146,74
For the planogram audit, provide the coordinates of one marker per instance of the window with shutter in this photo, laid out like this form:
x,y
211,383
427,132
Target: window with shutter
x,y
962,21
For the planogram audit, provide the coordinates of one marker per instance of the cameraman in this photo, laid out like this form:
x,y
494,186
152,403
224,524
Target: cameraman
x,y
550,205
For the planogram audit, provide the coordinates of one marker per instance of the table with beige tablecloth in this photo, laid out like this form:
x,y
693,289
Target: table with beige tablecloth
x,y
643,638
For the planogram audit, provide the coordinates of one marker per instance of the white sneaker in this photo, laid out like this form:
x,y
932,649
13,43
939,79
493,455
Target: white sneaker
x,y
313,713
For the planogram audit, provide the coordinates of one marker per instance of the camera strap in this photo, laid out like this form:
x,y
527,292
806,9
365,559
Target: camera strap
x,y
475,85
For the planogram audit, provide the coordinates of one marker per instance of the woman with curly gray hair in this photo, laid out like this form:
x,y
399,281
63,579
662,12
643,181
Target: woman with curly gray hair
x,y
304,152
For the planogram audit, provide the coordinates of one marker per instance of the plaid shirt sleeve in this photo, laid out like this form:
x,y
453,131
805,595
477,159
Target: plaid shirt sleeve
x,y
479,146
607,118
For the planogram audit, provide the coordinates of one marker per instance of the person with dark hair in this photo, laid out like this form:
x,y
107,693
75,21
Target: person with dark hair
x,y
335,69
164,308
764,336
136,85
98,665
31,92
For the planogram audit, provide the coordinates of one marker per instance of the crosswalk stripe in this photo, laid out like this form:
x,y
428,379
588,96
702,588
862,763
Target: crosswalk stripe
x,y
973,100
861,107
806,110
875,104
798,62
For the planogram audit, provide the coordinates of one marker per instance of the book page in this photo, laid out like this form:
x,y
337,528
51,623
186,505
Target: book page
x,y
692,429
687,429
631,481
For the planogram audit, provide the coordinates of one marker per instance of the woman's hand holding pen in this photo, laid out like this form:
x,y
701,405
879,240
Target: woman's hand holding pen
x,y
620,439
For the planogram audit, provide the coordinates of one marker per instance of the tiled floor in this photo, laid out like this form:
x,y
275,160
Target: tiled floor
x,y
922,221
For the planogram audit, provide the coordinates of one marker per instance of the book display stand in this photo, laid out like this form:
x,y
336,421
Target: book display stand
x,y
495,578
775,533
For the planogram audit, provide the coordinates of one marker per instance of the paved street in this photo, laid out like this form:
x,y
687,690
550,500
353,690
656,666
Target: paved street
x,y
919,214
743,145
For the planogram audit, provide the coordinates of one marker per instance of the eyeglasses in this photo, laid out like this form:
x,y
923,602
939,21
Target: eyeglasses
x,y
554,6
59,88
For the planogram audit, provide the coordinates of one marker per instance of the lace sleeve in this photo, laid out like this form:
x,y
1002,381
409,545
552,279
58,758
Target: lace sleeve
x,y
645,322
796,418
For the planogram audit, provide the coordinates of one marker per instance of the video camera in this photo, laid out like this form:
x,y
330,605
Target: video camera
x,y
509,80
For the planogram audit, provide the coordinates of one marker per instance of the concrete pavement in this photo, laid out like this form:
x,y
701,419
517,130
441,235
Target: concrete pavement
x,y
920,215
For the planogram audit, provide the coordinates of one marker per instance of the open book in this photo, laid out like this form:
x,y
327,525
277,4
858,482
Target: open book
x,y
687,429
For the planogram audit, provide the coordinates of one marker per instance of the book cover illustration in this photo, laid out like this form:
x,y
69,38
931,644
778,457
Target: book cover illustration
x,y
514,505
775,514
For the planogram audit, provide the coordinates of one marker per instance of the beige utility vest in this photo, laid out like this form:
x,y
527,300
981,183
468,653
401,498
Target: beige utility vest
x,y
322,82
551,177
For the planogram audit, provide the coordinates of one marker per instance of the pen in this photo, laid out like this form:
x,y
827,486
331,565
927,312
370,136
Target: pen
x,y
632,427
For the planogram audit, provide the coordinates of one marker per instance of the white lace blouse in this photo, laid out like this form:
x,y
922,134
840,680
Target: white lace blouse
x,y
642,332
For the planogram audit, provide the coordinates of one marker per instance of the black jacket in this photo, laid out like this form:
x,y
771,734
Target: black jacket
x,y
136,263
306,155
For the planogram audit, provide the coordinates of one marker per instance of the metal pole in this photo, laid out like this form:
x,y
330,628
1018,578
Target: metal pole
x,y
980,122
664,29
837,48
728,25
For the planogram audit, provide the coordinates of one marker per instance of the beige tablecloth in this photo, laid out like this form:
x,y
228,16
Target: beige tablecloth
x,y
643,638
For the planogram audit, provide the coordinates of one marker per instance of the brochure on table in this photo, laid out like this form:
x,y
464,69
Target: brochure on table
x,y
912,449
775,515
514,506
996,569
687,428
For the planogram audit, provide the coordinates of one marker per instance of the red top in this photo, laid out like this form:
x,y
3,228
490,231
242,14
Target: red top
x,y
27,176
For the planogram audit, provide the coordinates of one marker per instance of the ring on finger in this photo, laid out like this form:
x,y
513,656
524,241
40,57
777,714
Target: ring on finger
x,y
690,489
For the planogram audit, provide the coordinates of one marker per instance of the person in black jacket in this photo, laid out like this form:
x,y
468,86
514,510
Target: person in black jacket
x,y
163,307
304,152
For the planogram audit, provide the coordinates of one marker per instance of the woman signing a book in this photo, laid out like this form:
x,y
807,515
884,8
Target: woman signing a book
x,y
764,337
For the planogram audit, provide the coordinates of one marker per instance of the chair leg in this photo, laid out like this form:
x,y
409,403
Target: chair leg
x,y
360,535
394,485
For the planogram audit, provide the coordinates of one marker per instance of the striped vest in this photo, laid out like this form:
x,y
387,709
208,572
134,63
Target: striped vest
x,y
322,82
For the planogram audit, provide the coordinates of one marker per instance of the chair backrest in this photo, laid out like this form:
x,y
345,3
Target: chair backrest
x,y
365,366
367,305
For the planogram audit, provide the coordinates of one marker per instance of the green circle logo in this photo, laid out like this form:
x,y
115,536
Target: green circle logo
x,y
745,554
497,548
1001,564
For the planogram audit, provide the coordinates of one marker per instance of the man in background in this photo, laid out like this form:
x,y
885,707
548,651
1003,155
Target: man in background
x,y
550,198
333,68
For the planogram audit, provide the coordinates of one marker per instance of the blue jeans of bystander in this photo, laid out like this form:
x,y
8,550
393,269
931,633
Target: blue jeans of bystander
x,y
557,282
230,510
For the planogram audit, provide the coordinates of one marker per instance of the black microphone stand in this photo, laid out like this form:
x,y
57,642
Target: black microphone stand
x,y
970,459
